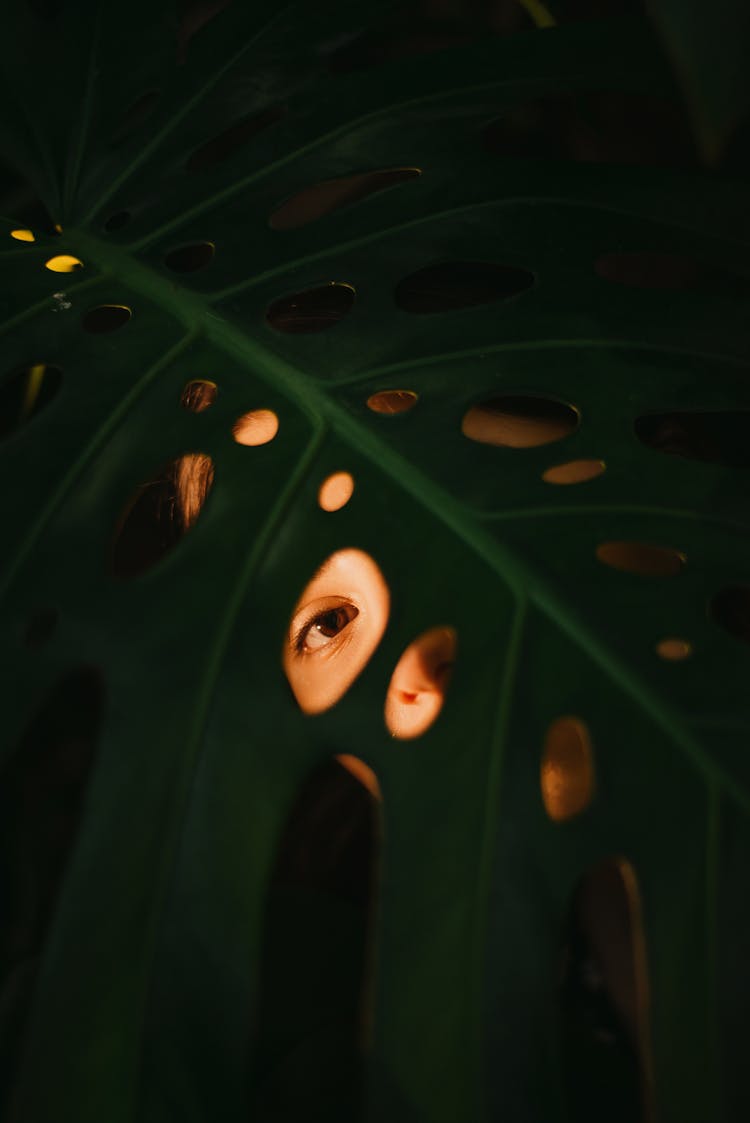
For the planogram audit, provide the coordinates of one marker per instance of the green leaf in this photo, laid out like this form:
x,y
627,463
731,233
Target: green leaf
x,y
560,156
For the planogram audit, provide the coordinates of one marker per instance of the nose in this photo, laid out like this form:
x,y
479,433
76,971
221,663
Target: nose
x,y
418,684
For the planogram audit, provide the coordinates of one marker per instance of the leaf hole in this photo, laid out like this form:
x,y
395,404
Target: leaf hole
x,y
418,684
730,608
221,147
460,284
312,310
22,235
25,393
642,558
714,437
567,769
574,472
336,491
332,194
160,512
605,998
517,421
106,318
316,952
257,427
392,401
63,263
674,650
188,259
198,395
336,626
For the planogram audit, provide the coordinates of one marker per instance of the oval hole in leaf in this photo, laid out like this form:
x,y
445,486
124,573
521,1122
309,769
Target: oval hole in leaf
x,y
674,650
198,395
221,147
460,284
312,310
650,270
418,684
42,802
574,472
336,625
135,116
160,512
641,558
63,263
106,318
117,221
41,627
567,769
333,194
188,259
257,427
25,393
730,609
336,491
515,421
605,999
715,437
392,401
23,235
316,953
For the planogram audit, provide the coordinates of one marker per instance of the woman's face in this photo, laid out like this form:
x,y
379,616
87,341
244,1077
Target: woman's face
x,y
336,626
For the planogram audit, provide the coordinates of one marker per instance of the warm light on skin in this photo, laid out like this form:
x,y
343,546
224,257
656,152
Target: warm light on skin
x,y
417,688
256,428
336,625
362,772
336,491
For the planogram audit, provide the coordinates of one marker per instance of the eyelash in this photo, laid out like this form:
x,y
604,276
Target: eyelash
x,y
304,629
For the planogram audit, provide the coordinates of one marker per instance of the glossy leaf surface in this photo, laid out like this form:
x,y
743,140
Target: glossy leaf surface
x,y
147,998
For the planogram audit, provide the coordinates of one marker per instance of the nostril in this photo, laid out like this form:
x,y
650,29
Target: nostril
x,y
407,697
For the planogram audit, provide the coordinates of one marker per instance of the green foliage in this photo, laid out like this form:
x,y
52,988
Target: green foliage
x,y
144,1005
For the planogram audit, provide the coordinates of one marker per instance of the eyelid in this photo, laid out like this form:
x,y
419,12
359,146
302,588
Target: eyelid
x,y
318,608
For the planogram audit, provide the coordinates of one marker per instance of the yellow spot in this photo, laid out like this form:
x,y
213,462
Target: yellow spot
x,y
34,381
539,13
63,263
22,235
58,228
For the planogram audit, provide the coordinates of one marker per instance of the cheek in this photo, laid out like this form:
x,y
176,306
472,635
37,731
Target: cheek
x,y
408,719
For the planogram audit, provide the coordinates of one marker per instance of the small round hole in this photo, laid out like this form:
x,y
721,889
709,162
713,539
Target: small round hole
x,y
117,221
106,318
257,427
417,688
63,263
22,235
25,393
674,650
188,259
198,395
641,558
41,627
567,769
519,422
730,609
336,491
574,472
312,310
392,401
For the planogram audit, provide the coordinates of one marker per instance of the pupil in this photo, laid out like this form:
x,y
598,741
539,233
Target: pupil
x,y
330,623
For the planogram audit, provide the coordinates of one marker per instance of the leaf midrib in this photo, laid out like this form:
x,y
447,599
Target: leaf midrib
x,y
314,402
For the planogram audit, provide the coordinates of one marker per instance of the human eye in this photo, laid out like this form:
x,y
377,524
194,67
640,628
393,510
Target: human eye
x,y
320,629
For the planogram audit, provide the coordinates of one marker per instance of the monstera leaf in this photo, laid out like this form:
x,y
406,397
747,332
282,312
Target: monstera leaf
x,y
475,264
